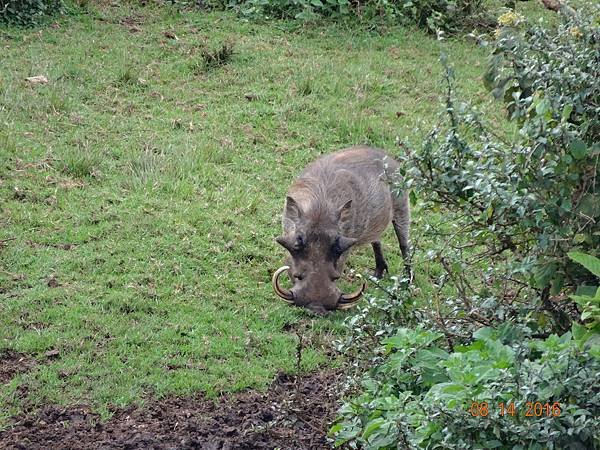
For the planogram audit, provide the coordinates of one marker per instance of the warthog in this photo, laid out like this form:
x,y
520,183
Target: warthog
x,y
340,201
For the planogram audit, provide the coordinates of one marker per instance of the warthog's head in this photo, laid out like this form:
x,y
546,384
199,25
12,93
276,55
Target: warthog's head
x,y
317,255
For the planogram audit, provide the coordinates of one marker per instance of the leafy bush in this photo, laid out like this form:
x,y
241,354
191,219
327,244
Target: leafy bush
x,y
28,12
522,232
588,297
377,317
444,15
423,396
521,205
420,395
550,81
434,15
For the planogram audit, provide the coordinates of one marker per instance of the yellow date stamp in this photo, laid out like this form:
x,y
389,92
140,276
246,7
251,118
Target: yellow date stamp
x,y
532,409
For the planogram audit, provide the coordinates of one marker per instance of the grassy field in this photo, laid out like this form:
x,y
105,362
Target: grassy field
x,y
140,191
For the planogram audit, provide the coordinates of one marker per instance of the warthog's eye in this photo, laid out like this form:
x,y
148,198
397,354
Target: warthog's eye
x,y
335,278
298,277
336,251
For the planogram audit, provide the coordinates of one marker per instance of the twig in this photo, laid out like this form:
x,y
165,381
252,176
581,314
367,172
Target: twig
x,y
443,324
299,349
15,276
317,429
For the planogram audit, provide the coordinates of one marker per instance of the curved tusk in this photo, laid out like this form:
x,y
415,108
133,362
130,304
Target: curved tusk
x,y
349,300
344,306
285,294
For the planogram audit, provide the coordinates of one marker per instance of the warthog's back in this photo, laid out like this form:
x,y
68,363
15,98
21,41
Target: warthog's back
x,y
360,174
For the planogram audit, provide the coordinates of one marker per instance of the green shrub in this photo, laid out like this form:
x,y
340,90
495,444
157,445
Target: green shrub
x,y
588,297
417,394
433,15
423,396
28,12
550,82
377,317
522,226
521,204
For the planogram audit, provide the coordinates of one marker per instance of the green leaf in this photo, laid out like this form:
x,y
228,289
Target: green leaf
x,y
590,262
590,206
585,300
541,106
372,427
345,434
484,333
335,428
578,149
568,109
413,198
580,334
580,412
589,291
452,388
544,274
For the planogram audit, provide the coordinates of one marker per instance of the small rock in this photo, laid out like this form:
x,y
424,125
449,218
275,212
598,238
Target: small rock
x,y
52,353
19,194
39,79
229,431
170,35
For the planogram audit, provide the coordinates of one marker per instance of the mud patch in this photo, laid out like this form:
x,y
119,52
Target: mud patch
x,y
13,363
293,414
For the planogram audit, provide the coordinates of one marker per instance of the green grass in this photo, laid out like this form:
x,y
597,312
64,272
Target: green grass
x,y
166,176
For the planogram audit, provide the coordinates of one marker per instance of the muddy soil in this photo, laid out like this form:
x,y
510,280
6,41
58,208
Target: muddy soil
x,y
12,363
293,414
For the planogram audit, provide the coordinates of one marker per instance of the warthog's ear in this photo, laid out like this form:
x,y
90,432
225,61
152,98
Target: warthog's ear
x,y
292,210
343,243
286,242
344,212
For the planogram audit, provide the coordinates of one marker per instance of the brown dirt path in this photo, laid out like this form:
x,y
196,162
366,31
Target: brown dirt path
x,y
293,414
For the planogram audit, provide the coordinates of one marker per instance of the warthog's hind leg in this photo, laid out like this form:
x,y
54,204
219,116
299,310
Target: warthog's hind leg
x,y
401,223
380,264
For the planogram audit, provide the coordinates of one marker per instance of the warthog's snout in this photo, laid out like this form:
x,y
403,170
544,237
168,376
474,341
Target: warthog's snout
x,y
319,306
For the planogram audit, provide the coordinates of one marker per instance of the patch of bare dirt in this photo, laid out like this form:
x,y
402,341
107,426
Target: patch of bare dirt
x,y
132,23
13,363
293,414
